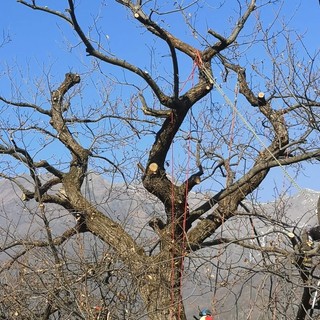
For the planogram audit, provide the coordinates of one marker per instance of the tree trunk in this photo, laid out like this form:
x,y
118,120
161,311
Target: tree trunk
x,y
158,277
161,288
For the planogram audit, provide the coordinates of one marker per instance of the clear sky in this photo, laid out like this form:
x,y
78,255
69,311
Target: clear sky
x,y
43,43
43,39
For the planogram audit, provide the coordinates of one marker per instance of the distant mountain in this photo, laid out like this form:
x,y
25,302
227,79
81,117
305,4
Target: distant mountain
x,y
134,207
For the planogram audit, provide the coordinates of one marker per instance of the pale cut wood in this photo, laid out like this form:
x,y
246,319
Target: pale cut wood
x,y
153,168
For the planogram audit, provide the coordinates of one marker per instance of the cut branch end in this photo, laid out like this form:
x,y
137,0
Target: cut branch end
x,y
261,99
153,168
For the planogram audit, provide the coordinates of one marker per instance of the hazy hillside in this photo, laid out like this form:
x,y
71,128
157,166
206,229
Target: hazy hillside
x,y
134,207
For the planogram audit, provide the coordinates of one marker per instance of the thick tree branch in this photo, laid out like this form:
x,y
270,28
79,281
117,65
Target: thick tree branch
x,y
158,31
151,112
79,154
165,100
223,42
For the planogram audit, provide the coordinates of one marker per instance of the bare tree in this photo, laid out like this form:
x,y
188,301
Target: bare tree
x,y
201,137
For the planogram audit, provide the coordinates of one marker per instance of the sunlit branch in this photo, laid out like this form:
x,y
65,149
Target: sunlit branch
x,y
165,100
155,29
225,42
152,112
25,105
30,245
40,164
34,6
243,243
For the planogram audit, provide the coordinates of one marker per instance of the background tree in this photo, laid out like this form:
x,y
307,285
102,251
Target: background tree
x,y
202,141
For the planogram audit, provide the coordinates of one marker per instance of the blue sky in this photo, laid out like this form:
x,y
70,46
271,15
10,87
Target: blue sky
x,y
41,43
44,38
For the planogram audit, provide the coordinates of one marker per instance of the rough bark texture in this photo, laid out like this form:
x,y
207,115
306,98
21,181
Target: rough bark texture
x,y
180,230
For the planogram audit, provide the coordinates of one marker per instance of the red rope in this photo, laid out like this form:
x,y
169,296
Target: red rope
x,y
232,126
184,222
172,220
197,63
